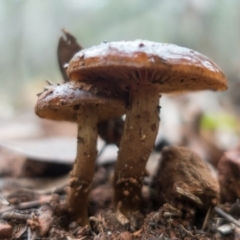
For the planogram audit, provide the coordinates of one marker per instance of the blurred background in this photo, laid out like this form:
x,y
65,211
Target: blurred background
x,y
31,30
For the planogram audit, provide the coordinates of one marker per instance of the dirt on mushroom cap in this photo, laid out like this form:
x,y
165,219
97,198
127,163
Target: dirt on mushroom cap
x,y
170,67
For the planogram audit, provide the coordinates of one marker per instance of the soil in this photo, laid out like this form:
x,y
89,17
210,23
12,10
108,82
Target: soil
x,y
47,219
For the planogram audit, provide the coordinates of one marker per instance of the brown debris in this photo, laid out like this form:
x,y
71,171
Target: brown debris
x,y
45,219
33,223
156,226
19,230
237,233
125,236
5,230
111,131
101,197
229,175
50,221
11,163
67,47
228,217
102,236
183,179
84,232
26,205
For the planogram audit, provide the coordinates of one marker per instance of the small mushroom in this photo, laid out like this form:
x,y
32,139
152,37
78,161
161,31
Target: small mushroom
x,y
73,101
144,69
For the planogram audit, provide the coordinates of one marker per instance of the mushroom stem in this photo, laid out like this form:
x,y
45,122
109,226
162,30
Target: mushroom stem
x,y
84,166
140,130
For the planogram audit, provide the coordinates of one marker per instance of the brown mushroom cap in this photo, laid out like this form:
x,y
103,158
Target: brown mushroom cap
x,y
170,67
62,102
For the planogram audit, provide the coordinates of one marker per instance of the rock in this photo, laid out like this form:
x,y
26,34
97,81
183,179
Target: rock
x,y
183,178
229,175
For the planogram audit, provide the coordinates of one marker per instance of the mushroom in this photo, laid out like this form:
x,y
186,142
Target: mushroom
x,y
144,69
76,102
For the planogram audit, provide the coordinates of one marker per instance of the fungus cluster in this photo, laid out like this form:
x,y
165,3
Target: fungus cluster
x,y
143,70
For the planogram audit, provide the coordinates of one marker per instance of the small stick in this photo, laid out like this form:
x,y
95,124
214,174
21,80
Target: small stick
x,y
135,234
185,230
206,218
58,190
102,149
15,215
228,217
3,201
26,205
49,82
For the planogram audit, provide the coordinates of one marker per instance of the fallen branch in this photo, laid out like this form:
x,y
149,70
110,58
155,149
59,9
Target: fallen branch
x,y
26,205
228,217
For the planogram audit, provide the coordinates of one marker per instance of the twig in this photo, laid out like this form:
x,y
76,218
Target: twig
x,y
228,217
15,215
3,201
206,218
135,234
49,82
57,190
190,196
26,205
102,149
185,230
